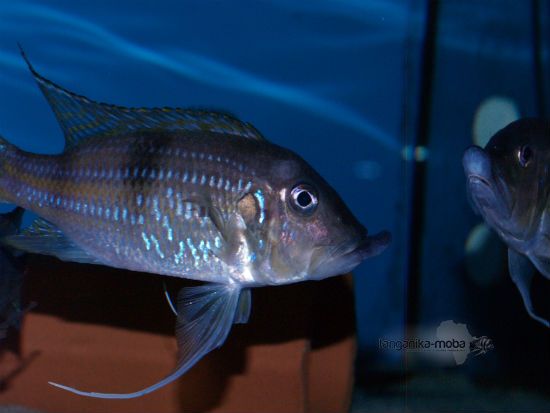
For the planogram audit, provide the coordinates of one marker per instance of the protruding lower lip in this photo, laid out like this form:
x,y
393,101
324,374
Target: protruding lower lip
x,y
478,179
476,163
373,245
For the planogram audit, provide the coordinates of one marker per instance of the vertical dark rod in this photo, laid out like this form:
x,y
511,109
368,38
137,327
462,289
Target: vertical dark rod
x,y
418,169
537,63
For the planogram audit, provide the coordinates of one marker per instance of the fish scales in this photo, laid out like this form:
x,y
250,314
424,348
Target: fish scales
x,y
134,199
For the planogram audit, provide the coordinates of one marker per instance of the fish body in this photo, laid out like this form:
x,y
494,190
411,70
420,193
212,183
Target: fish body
x,y
508,183
184,193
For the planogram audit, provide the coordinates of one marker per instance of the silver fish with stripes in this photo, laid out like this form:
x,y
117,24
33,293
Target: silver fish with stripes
x,y
183,193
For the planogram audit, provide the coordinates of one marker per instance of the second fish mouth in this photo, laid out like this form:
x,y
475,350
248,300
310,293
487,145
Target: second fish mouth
x,y
479,179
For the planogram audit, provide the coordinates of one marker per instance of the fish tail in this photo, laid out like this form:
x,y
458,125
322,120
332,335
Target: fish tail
x,y
6,149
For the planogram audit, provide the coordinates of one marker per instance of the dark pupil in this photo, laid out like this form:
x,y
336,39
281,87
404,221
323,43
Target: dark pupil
x,y
525,156
303,199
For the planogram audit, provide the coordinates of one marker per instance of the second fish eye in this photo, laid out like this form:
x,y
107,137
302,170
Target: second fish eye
x,y
525,154
303,198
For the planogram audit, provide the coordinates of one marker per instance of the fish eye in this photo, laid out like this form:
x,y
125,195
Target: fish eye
x,y
525,154
303,199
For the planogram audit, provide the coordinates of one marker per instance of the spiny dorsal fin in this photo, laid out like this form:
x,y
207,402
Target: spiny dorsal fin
x,y
81,118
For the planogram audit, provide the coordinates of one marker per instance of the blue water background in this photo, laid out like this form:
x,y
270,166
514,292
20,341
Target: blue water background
x,y
337,82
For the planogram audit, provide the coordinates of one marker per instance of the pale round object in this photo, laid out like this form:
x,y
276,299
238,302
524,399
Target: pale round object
x,y
493,114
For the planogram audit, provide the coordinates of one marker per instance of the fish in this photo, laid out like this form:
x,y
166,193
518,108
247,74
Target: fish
x,y
508,184
186,193
11,275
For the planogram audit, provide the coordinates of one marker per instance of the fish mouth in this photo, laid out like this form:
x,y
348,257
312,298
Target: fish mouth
x,y
487,192
480,184
346,257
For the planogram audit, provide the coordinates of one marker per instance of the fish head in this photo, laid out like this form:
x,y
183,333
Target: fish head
x,y
312,234
508,180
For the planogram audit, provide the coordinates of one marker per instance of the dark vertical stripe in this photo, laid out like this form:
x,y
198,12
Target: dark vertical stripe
x,y
145,154
418,170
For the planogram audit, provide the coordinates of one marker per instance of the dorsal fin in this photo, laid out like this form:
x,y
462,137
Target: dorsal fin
x,y
81,118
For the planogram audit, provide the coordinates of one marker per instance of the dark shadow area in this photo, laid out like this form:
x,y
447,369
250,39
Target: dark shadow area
x,y
321,312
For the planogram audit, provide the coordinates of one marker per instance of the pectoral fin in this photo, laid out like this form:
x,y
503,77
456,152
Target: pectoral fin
x,y
205,316
522,272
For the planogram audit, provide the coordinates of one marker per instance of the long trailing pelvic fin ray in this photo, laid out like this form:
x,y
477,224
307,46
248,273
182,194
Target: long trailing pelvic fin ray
x,y
205,316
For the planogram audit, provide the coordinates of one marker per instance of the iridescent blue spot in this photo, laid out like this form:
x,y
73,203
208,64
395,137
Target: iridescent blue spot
x,y
188,210
193,251
204,249
139,200
140,219
261,203
156,209
157,246
146,240
180,254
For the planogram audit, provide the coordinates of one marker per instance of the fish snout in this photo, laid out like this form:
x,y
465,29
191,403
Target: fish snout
x,y
477,164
